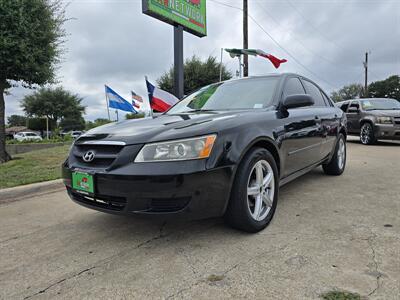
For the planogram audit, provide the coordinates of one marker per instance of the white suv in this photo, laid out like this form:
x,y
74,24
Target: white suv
x,y
25,136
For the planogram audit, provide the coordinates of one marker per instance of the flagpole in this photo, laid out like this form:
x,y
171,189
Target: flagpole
x,y
220,66
148,98
108,109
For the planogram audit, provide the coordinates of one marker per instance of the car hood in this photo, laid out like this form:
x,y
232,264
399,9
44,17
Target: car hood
x,y
384,113
163,127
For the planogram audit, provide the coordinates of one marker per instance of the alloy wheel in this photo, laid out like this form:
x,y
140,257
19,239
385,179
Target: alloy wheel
x,y
365,135
260,190
341,154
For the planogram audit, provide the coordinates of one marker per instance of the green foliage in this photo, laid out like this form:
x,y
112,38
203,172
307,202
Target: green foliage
x,y
31,33
54,139
35,166
16,120
31,36
340,295
73,123
134,116
350,91
55,103
96,123
38,124
388,88
196,74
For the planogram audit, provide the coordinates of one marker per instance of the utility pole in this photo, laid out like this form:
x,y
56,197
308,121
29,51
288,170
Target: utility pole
x,y
366,75
245,39
178,61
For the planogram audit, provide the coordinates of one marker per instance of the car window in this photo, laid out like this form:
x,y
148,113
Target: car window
x,y
328,101
30,134
344,106
354,104
293,86
314,92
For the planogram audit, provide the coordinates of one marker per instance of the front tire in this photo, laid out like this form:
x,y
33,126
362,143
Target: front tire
x,y
367,136
337,163
254,194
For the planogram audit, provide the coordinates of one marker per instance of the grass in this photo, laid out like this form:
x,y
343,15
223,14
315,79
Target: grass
x,y
35,166
340,295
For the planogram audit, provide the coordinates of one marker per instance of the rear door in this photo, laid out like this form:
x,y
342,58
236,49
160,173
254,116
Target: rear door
x,y
353,117
327,117
302,139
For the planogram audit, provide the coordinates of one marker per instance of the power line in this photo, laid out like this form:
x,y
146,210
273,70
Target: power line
x,y
312,26
277,43
296,39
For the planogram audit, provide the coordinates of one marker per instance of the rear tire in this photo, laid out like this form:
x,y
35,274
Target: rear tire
x,y
337,163
254,194
367,136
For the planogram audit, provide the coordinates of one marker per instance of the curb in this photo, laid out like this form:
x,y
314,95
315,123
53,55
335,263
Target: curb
x,y
30,190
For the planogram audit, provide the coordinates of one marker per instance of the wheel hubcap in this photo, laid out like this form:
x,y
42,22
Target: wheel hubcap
x,y
365,133
341,153
260,190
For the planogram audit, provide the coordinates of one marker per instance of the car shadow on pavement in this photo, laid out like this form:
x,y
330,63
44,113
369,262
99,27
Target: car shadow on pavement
x,y
386,143
120,228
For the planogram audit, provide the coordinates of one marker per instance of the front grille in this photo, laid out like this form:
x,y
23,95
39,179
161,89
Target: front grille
x,y
102,201
104,155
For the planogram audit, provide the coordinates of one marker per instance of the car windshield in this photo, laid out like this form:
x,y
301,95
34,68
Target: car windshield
x,y
253,93
380,104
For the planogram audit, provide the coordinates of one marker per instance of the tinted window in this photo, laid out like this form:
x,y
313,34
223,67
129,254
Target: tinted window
x,y
253,93
344,106
293,86
315,93
380,104
355,104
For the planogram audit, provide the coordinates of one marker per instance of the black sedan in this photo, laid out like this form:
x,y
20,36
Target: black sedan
x,y
222,151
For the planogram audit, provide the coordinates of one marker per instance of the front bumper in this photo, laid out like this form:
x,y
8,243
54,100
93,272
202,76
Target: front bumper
x,y
200,194
387,132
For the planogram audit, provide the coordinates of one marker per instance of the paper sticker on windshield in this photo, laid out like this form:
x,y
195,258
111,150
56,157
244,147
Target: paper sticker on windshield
x,y
366,103
258,105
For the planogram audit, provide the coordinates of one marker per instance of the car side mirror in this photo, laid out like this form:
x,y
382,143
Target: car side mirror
x,y
294,101
353,110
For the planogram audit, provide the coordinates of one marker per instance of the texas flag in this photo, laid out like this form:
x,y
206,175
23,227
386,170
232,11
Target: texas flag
x,y
160,100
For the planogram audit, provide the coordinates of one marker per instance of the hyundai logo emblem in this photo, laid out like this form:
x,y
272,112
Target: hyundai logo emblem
x,y
88,156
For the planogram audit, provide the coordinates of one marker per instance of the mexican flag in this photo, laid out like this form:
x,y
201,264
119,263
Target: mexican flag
x,y
234,52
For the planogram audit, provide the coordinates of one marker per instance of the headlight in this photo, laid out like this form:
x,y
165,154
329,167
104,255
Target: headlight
x,y
384,120
193,148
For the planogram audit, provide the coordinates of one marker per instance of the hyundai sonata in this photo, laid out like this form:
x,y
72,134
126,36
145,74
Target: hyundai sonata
x,y
222,151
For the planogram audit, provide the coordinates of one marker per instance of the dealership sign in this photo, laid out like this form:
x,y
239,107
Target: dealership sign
x,y
191,14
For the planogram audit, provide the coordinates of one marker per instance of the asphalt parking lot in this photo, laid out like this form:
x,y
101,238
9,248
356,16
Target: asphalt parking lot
x,y
329,233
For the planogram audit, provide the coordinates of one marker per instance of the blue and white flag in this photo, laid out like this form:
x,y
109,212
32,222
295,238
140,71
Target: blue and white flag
x,y
117,102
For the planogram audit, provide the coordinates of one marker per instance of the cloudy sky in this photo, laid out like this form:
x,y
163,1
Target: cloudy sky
x,y
112,42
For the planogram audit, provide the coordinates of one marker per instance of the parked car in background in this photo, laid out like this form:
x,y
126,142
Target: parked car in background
x,y
27,136
372,119
223,150
75,134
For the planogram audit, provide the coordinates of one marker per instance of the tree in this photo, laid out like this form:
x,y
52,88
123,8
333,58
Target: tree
x,y
73,123
16,120
96,123
31,35
388,88
56,104
134,116
196,74
350,91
